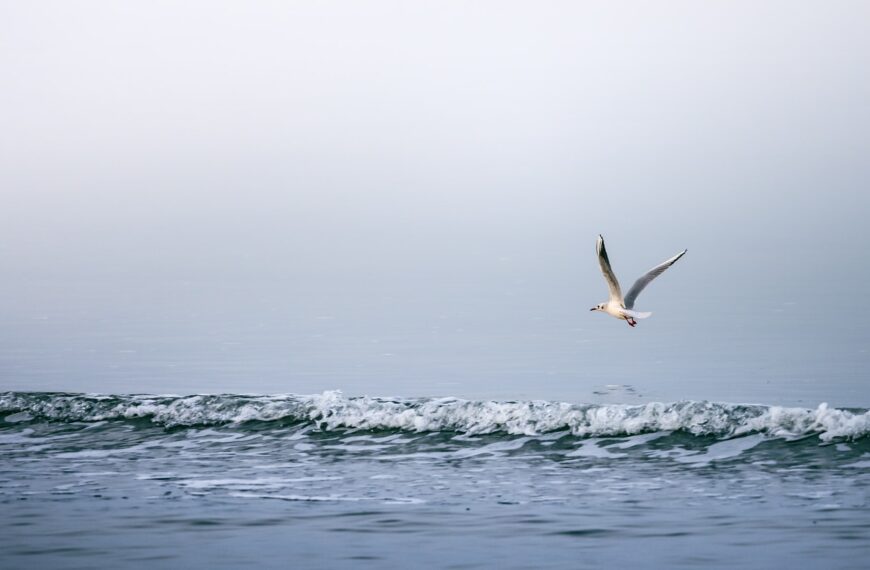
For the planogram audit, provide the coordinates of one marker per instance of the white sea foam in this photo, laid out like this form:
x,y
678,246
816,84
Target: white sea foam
x,y
333,410
591,448
19,417
637,440
722,450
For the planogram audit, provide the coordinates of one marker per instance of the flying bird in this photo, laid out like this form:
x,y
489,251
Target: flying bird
x,y
623,307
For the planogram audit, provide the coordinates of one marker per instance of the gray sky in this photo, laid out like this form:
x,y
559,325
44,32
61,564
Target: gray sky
x,y
217,130
411,146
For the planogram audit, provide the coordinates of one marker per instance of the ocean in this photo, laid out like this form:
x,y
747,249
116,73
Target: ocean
x,y
232,425
335,481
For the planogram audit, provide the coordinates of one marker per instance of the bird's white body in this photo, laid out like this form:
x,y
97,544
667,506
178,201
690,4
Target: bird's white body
x,y
618,311
623,307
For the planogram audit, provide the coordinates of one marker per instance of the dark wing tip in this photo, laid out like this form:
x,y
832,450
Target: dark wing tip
x,y
602,252
676,258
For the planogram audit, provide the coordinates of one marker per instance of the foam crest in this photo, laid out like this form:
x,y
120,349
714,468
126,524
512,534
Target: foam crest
x,y
333,410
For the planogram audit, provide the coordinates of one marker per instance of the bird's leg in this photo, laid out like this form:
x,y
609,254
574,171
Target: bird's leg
x,y
631,322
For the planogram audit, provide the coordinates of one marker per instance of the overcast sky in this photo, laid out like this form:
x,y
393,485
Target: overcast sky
x,y
229,135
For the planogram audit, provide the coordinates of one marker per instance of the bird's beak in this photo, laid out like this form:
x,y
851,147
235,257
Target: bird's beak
x,y
594,309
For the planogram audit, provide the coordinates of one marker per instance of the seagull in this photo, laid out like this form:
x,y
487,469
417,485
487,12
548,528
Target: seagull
x,y
623,307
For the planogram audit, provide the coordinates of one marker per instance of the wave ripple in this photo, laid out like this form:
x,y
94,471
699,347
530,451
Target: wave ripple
x,y
333,410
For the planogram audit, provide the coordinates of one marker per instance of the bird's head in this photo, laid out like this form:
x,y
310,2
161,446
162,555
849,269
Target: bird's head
x,y
599,307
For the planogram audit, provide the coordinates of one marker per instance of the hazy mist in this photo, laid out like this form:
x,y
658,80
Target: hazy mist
x,y
403,197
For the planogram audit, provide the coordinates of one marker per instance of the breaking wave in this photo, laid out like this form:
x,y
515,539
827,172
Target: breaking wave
x,y
333,410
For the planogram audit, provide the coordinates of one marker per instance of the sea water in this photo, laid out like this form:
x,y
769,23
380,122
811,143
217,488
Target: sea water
x,y
233,426
331,481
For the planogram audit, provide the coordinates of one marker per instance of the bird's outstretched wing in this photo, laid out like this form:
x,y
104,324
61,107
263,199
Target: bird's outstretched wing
x,y
612,283
647,278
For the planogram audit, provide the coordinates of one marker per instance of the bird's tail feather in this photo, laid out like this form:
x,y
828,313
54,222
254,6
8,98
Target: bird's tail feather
x,y
635,314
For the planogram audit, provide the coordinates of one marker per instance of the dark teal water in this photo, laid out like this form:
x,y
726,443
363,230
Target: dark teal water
x,y
329,481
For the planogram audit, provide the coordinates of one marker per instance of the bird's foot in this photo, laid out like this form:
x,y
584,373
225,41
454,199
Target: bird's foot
x,y
631,322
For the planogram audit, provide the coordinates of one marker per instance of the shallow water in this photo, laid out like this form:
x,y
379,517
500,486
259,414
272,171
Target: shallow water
x,y
333,481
